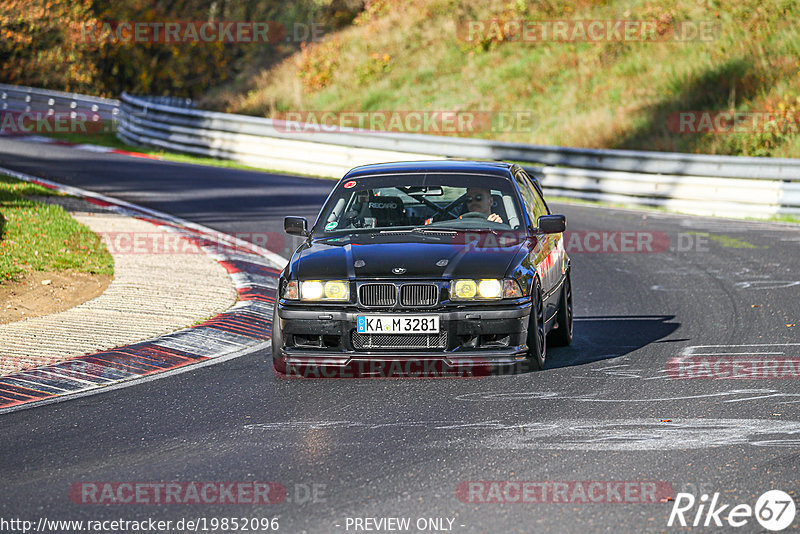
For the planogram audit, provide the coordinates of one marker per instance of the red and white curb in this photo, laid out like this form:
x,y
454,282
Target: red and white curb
x,y
79,146
243,329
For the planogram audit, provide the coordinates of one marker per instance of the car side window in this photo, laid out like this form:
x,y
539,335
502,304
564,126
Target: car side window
x,y
528,196
537,202
539,207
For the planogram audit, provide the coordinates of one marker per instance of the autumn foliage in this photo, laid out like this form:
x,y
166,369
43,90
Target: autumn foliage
x,y
37,50
52,44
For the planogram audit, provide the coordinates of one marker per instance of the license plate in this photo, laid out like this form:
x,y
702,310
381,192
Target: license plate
x,y
398,324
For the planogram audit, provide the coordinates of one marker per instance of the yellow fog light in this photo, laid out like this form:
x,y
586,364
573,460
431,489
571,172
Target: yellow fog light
x,y
337,290
464,289
490,289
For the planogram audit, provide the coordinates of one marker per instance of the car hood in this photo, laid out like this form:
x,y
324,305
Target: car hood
x,y
421,259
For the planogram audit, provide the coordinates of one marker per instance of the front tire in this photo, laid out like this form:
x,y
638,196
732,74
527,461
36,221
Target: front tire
x,y
278,361
562,336
537,344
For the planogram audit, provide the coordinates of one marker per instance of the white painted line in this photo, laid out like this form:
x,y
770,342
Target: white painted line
x,y
93,148
249,280
34,385
48,372
576,434
733,353
693,350
25,384
489,396
210,343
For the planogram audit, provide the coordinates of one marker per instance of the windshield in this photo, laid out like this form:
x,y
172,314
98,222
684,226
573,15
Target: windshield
x,y
407,201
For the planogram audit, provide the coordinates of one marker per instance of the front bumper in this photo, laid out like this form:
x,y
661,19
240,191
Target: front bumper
x,y
473,336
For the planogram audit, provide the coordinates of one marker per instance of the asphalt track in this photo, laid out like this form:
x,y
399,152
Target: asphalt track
x,y
604,409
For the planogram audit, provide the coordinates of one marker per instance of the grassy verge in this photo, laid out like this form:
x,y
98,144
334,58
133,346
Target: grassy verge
x,y
43,237
613,93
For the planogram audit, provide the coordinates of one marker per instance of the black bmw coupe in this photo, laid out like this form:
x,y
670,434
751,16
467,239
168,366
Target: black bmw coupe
x,y
446,261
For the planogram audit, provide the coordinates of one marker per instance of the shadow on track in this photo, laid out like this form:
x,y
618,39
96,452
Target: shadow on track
x,y
605,337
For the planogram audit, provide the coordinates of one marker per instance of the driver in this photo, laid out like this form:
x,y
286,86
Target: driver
x,y
480,201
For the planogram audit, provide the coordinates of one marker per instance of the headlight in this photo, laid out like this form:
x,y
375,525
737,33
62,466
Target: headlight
x,y
311,290
326,290
484,289
490,289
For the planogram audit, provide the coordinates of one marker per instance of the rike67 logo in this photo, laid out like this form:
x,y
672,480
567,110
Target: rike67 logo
x,y
774,510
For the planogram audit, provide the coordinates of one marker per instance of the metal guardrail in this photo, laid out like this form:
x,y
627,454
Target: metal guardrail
x,y
702,184
30,99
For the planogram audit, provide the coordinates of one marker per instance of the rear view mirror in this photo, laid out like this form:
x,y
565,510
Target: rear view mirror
x,y
426,190
295,226
552,224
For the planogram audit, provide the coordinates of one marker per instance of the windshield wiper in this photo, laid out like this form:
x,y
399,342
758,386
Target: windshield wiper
x,y
424,230
396,231
435,230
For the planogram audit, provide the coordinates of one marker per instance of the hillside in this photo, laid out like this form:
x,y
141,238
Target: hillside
x,y
90,46
411,55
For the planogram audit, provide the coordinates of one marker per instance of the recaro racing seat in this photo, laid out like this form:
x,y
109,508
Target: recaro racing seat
x,y
387,211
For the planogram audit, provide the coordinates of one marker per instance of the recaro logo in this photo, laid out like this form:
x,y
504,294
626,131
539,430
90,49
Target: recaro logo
x,y
383,205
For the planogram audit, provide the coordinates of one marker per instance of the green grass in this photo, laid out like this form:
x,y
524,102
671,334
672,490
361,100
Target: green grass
x,y
43,237
727,241
784,218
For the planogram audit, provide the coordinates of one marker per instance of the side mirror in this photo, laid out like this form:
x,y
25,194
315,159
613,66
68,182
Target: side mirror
x,y
295,226
552,224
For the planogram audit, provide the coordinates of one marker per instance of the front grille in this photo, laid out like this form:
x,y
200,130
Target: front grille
x,y
400,341
378,294
418,294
